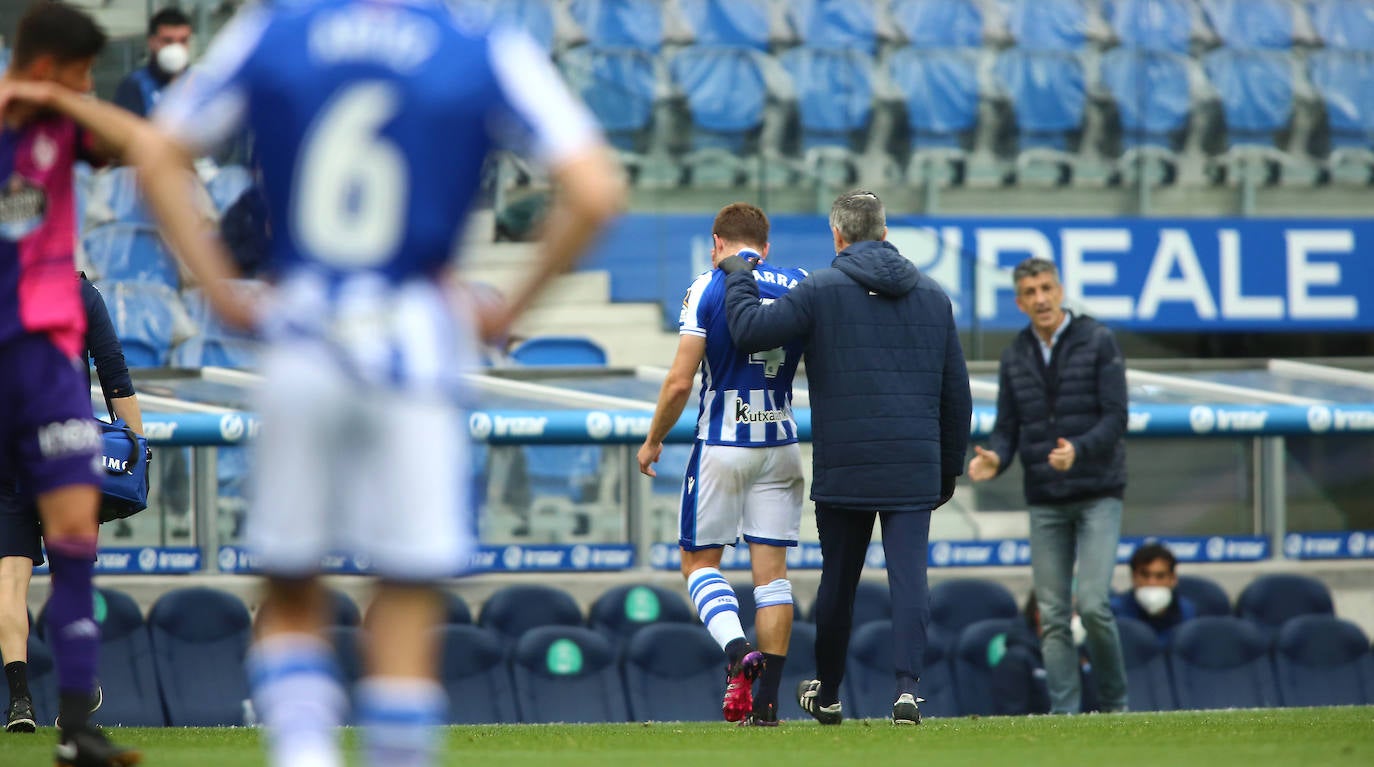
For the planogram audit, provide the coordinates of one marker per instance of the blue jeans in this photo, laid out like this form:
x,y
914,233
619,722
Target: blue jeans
x,y
1087,531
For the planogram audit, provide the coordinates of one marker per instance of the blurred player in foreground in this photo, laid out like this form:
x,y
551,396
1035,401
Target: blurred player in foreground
x,y
372,122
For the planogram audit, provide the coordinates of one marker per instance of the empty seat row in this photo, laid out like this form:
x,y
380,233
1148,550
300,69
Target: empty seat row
x,y
158,327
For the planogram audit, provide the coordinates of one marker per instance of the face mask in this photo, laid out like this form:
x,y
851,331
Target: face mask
x,y
173,58
1154,600
1080,634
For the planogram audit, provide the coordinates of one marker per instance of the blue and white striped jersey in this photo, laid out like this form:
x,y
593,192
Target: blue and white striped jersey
x,y
371,122
746,399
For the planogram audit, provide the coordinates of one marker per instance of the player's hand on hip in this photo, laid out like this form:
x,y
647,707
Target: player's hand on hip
x,y
649,454
984,465
1063,455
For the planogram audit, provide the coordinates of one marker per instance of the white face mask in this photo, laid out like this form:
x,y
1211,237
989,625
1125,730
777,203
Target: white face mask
x,y
173,58
1080,634
1154,600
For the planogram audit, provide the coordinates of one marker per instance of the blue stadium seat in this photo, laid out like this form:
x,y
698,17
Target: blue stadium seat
x,y
1150,90
43,681
972,671
200,640
1048,94
567,674
1270,601
1256,89
1321,660
835,95
868,678
939,23
456,610
148,318
623,611
959,603
535,17
1147,667
130,253
1221,663
940,90
728,23
1209,597
1246,24
515,610
475,674
1047,25
1154,25
116,191
216,344
836,24
674,672
620,23
1346,24
1345,80
620,86
800,665
228,184
872,602
559,350
725,93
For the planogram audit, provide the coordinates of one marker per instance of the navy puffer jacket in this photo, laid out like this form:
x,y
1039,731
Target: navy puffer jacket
x,y
1080,396
890,404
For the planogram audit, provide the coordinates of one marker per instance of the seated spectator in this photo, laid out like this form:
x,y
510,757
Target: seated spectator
x,y
1152,598
169,52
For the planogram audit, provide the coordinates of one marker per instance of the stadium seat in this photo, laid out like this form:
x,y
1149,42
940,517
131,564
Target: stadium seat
x,y
1221,663
834,90
149,319
972,671
958,603
1209,597
1048,25
567,674
868,678
515,610
939,23
939,88
1257,92
475,674
130,253
216,344
559,350
1344,24
728,23
1345,82
835,24
200,640
726,94
535,17
1270,601
1247,24
620,23
1150,93
228,183
1147,667
620,86
872,602
1321,660
456,610
623,611
1049,97
674,672
1153,25
800,665
115,197
43,682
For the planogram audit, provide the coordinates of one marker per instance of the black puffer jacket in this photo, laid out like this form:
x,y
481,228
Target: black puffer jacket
x,y
890,402
1080,396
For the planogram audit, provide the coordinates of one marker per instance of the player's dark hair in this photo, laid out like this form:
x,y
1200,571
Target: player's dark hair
x,y
742,222
171,16
1151,552
52,28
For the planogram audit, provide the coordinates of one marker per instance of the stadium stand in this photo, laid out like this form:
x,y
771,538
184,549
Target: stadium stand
x,y
149,319
130,252
1246,24
834,90
623,611
114,196
1320,660
868,683
836,24
1048,93
1210,598
728,23
1344,24
42,680
1221,663
1258,98
872,602
939,23
958,603
1153,103
559,350
476,677
621,23
126,673
1049,25
1147,668
516,610
200,641
972,671
1270,601
1153,25
725,93
621,86
800,665
1345,82
567,674
228,183
679,657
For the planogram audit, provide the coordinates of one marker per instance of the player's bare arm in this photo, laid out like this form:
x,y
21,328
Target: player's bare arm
x,y
672,398
111,128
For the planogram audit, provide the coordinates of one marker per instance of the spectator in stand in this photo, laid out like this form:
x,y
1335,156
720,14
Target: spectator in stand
x,y
169,52
1153,598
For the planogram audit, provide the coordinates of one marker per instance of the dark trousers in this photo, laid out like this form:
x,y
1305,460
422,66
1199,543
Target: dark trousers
x,y
845,534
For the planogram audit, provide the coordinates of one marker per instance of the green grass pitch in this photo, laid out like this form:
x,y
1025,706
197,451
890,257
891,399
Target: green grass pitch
x,y
1286,737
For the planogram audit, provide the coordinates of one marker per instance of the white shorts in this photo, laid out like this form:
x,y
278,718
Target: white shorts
x,y
729,491
368,472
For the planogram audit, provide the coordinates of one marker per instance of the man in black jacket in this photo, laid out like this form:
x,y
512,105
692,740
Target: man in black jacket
x,y
890,411
1061,403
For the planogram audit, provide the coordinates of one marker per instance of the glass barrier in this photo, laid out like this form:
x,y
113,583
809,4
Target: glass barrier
x,y
1329,483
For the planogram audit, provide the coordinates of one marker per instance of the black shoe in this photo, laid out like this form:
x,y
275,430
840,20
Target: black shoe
x,y
809,697
88,747
20,716
97,699
906,710
761,717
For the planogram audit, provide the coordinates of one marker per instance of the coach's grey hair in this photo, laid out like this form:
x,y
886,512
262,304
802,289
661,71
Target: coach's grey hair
x,y
1032,267
859,216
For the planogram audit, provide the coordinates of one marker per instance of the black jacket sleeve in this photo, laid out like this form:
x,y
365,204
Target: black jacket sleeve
x,y
104,347
1006,431
956,406
130,96
755,327
1101,439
